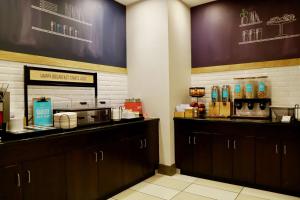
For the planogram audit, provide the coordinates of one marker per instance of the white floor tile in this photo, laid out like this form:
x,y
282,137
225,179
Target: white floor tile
x,y
168,181
210,192
189,196
155,190
185,178
267,195
219,185
134,195
248,197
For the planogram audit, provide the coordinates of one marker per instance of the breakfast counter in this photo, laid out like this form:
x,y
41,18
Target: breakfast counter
x,y
255,153
110,158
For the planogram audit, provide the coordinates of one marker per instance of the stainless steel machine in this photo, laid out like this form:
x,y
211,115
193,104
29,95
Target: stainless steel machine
x,y
87,116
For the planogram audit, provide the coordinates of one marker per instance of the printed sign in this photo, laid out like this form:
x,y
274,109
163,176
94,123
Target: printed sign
x,y
40,75
42,112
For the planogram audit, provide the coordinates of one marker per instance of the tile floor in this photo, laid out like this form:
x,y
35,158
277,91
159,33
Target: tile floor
x,y
181,187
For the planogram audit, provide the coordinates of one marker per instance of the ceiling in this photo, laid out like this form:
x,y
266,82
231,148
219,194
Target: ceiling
x,y
190,3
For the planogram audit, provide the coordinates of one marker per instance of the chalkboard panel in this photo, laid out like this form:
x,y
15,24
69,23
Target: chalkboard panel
x,y
92,31
233,32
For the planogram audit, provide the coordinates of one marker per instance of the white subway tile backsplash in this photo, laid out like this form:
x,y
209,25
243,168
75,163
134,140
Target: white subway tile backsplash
x,y
112,88
284,81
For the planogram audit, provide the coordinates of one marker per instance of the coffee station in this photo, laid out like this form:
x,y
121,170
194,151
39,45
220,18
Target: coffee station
x,y
45,114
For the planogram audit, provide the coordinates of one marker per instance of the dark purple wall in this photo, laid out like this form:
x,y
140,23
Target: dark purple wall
x,y
217,34
107,33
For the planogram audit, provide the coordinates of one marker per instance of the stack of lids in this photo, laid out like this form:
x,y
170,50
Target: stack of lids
x,y
65,120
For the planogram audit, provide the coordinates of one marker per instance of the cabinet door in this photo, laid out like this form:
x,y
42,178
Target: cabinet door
x,y
222,156
134,157
244,159
82,174
291,165
202,153
151,145
185,152
110,169
268,161
10,183
44,179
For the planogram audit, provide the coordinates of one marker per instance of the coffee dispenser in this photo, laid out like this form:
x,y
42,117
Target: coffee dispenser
x,y
214,105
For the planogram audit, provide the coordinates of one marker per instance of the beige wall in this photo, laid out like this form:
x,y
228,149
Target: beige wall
x,y
158,54
179,58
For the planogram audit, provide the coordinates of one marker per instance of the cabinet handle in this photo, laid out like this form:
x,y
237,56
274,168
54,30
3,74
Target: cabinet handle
x,y
228,144
29,176
102,155
145,143
195,140
96,157
234,144
18,180
276,148
142,145
189,139
284,150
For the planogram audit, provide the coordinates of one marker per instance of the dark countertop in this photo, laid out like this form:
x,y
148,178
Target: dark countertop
x,y
10,138
245,121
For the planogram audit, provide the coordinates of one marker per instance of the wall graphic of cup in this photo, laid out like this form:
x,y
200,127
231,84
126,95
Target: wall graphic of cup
x,y
258,34
245,36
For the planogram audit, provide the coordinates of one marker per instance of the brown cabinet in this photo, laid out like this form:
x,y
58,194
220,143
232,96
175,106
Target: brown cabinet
x,y
244,158
193,152
222,156
110,158
202,153
34,180
265,156
44,179
81,173
234,157
10,183
291,164
184,151
83,165
268,157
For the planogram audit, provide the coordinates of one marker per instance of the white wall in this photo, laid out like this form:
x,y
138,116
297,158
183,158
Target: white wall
x,y
112,88
284,81
148,64
179,59
158,37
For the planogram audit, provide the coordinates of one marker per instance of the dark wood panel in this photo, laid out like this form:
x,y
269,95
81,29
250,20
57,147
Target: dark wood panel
x,y
134,153
152,144
10,183
185,152
44,179
291,165
222,156
82,174
268,161
203,154
244,159
110,168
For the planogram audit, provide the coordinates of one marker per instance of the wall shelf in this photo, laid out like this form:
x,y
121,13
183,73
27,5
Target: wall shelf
x,y
270,39
251,24
60,34
60,15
